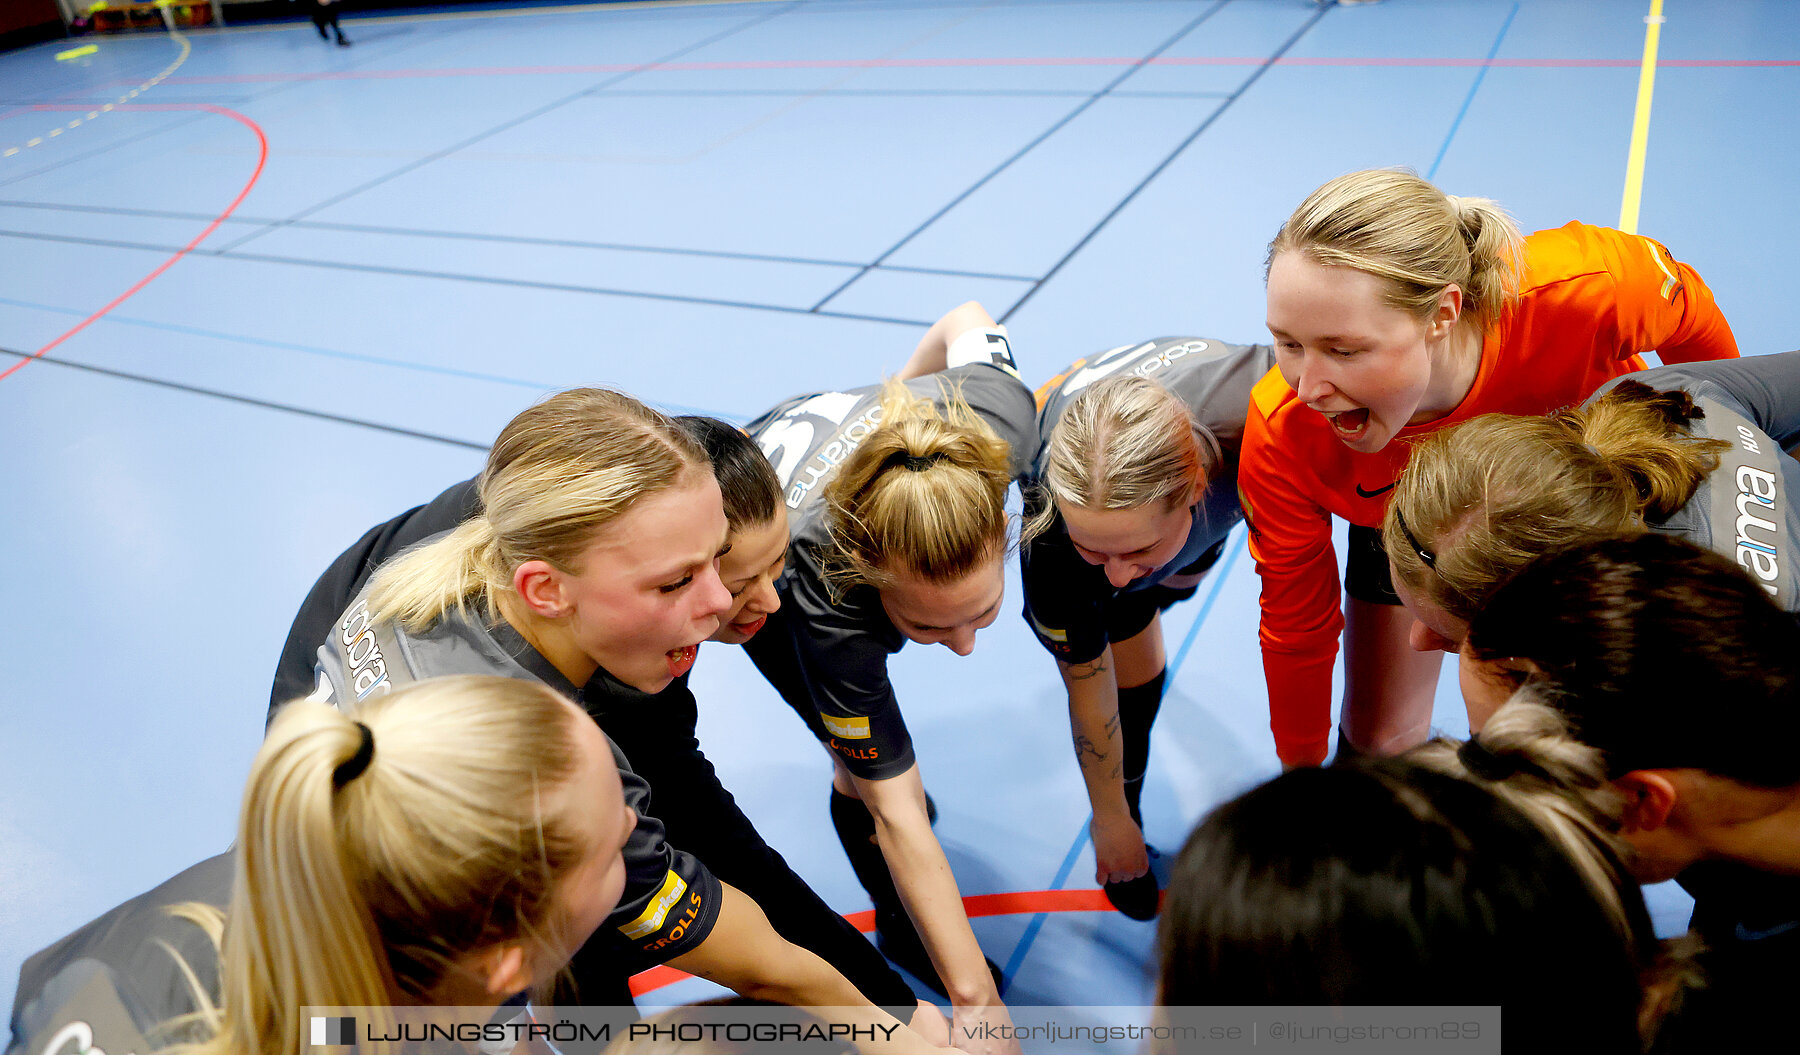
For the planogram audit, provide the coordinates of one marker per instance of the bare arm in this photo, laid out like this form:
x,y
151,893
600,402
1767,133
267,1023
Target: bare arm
x,y
930,356
1093,688
922,877
743,953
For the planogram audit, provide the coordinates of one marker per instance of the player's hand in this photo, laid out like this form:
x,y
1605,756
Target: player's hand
x,y
1119,852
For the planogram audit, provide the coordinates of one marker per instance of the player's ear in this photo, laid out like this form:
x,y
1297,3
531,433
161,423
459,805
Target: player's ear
x,y
1650,798
1448,312
542,588
502,969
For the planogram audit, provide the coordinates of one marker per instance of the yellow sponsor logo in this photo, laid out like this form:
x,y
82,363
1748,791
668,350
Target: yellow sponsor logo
x,y
846,728
651,919
1059,636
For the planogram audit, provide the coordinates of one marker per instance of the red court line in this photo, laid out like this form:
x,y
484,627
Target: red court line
x,y
262,156
997,63
1017,903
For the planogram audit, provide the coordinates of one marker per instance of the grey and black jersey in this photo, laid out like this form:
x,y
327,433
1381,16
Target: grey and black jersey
x,y
670,901
827,655
119,983
1066,598
1745,509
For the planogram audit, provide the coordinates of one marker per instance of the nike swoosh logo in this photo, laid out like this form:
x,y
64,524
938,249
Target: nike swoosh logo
x,y
1746,934
1375,493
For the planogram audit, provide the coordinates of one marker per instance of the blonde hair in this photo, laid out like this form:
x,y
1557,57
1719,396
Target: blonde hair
x,y
1398,227
560,472
1562,786
1487,496
364,895
1121,443
1555,780
925,490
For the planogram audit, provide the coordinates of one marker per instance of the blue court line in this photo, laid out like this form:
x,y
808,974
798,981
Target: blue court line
x,y
1218,584
415,165
504,239
330,353
1166,162
1026,149
1062,874
1013,963
1473,88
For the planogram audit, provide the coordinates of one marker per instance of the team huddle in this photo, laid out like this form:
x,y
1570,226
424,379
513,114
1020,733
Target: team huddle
x,y
481,783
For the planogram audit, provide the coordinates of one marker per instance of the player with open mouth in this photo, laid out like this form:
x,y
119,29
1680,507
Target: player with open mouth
x,y
653,719
589,559
1397,310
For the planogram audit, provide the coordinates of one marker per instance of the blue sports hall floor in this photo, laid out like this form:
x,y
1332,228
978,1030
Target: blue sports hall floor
x,y
278,291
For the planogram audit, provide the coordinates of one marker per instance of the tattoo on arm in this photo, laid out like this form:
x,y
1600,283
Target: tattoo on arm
x,y
1087,671
1086,749
1112,727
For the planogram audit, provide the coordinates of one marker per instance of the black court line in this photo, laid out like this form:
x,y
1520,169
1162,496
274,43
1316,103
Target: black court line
x,y
1022,151
456,276
1166,162
949,93
252,402
1127,93
504,239
515,122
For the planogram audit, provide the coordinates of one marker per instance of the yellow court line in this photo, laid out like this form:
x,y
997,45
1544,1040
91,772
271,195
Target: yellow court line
x,y
186,50
1640,123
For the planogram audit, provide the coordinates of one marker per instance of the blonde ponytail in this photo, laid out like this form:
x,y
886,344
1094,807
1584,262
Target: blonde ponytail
x,y
362,892
1561,784
1487,496
1400,228
559,473
924,492
1122,443
1641,434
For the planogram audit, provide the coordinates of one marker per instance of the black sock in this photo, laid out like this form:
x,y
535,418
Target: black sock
x,y
1137,713
856,830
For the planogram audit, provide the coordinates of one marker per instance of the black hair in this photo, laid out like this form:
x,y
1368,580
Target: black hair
x,y
746,479
1659,653
1382,883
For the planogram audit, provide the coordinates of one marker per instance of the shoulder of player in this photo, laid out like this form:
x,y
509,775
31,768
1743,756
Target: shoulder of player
x,y
1577,253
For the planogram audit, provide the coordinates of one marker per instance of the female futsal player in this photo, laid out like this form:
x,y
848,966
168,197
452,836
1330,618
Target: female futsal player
x,y
1697,451
453,843
1397,310
899,533
747,485
657,732
593,568
1679,668
1135,491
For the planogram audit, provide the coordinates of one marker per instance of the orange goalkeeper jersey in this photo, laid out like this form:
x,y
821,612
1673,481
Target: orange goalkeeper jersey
x,y
1591,299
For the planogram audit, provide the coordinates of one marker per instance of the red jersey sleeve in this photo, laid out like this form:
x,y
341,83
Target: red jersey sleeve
x,y
1663,305
1290,539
